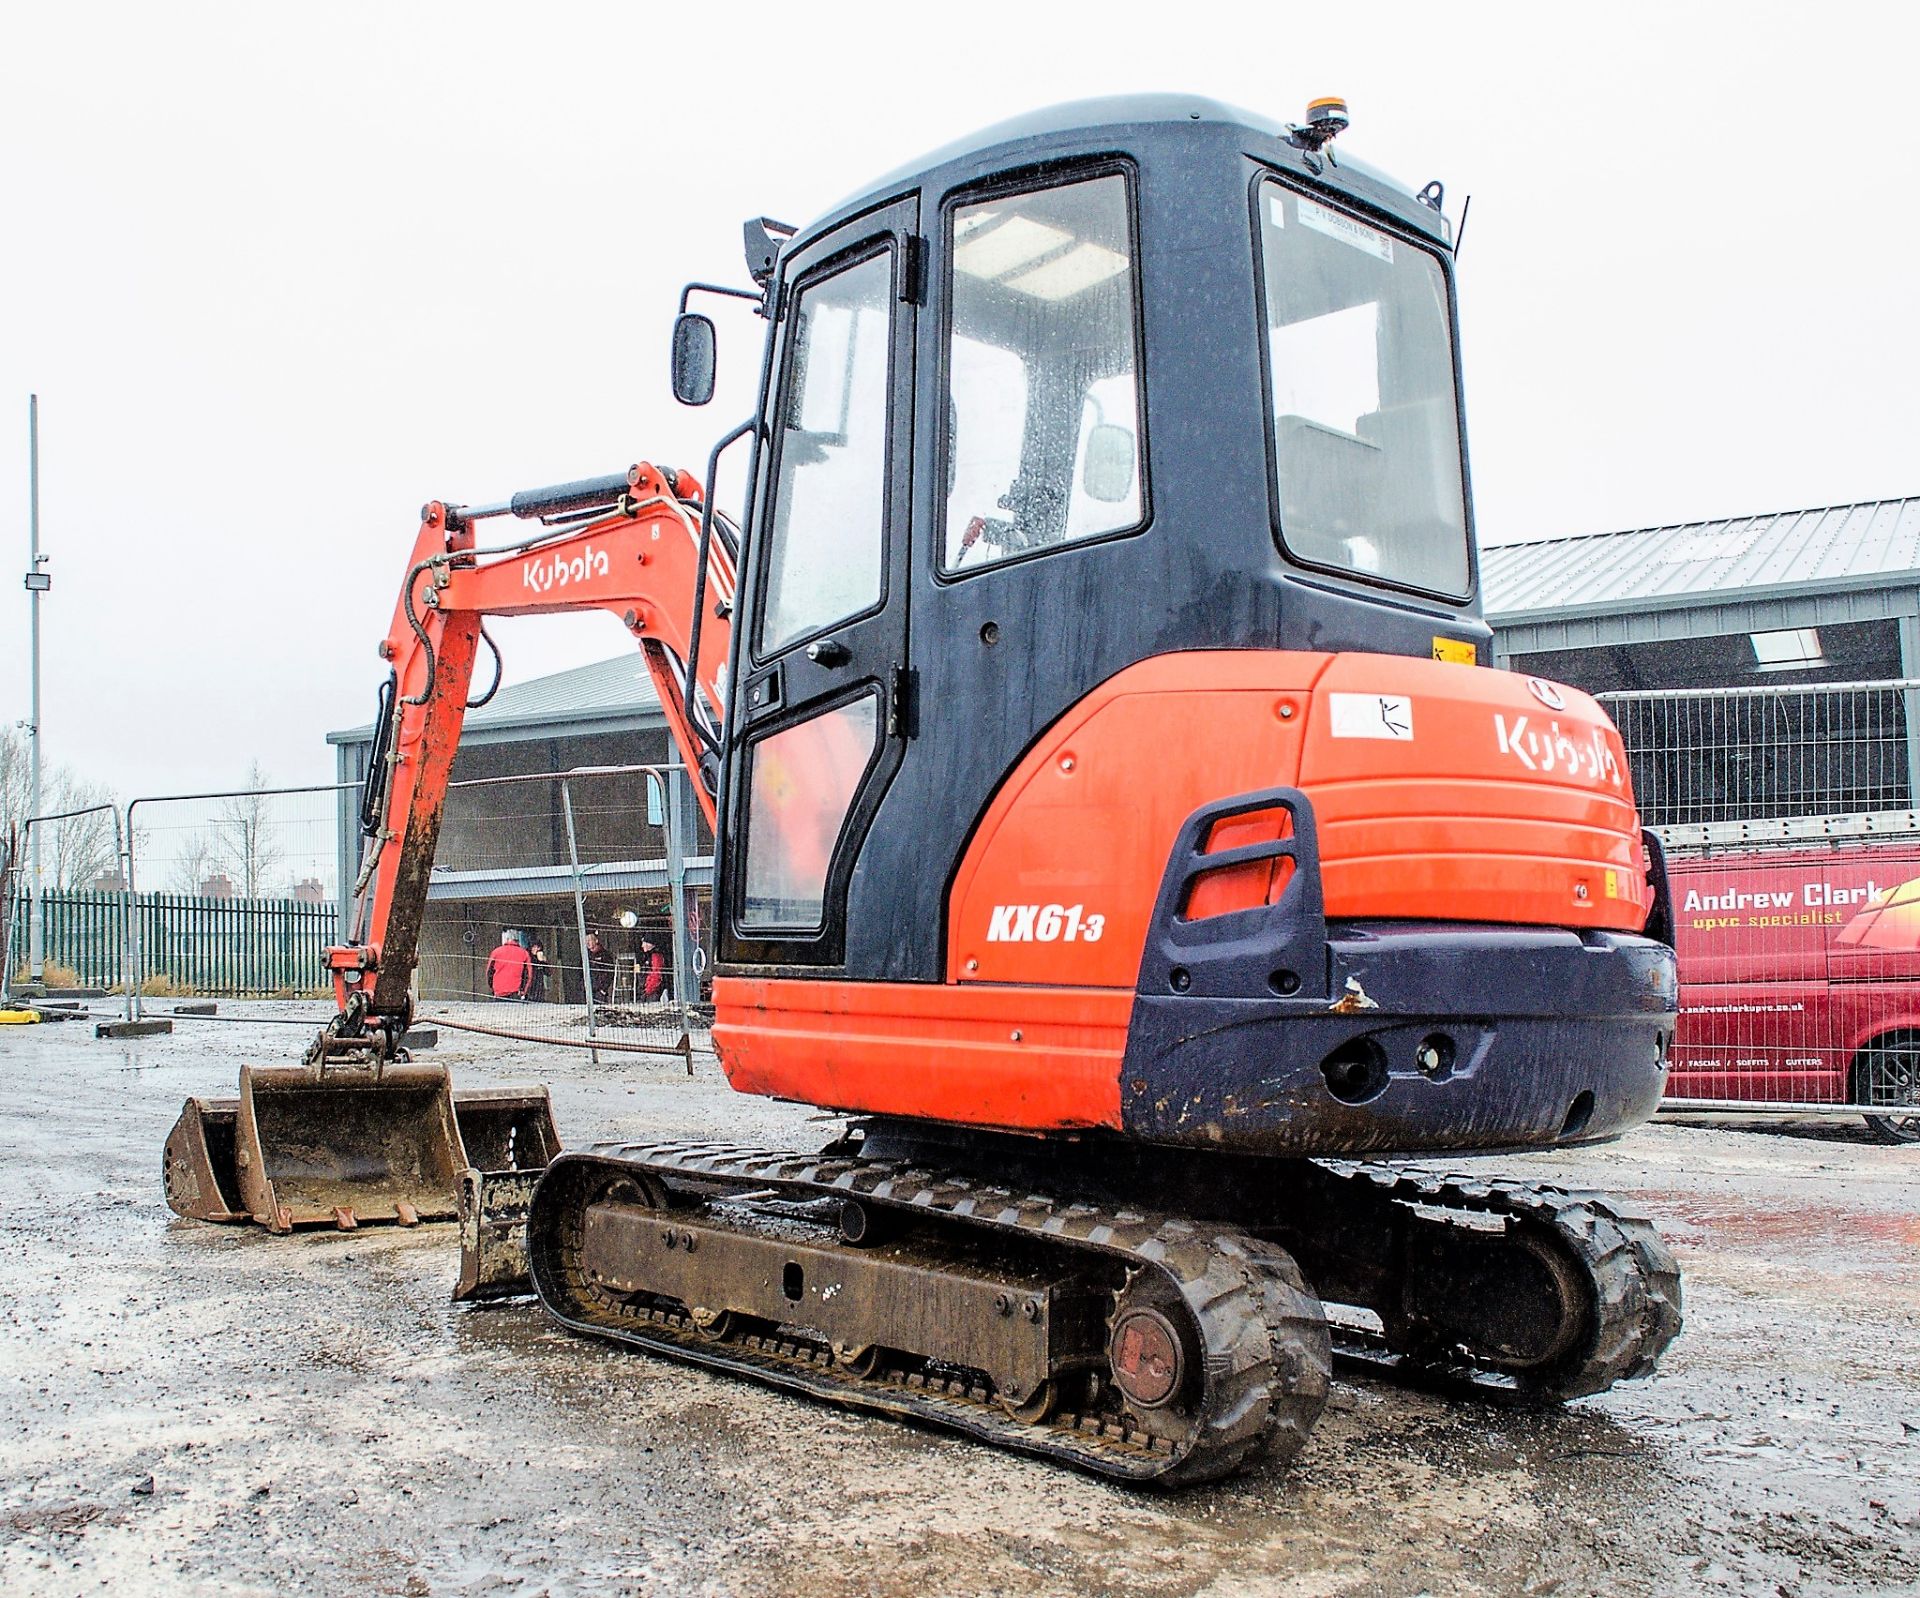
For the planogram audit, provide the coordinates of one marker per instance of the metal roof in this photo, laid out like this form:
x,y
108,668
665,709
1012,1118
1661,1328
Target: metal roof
x,y
1742,558
609,693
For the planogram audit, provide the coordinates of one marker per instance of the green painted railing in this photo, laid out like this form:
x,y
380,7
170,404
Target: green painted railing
x,y
223,948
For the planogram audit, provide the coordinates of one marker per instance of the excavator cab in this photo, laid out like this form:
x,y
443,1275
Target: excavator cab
x,y
1105,748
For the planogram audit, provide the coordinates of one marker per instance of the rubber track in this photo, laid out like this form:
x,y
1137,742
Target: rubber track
x,y
1264,1343
1635,1282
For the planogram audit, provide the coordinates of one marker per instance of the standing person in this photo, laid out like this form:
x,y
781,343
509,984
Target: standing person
x,y
508,968
600,964
653,971
536,974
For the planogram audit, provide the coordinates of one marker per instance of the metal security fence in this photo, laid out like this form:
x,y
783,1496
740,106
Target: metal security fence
x,y
563,908
1743,754
216,948
1793,851
83,940
232,948
9,870
233,894
67,923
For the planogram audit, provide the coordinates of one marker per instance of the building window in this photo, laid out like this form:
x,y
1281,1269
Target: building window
x,y
1795,649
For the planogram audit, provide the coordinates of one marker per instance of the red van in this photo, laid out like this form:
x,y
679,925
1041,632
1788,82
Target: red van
x,y
1800,978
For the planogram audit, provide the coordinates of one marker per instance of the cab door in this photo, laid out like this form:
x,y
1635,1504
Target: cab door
x,y
818,717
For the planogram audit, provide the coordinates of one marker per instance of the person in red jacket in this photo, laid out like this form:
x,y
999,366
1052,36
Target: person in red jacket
x,y
508,968
653,971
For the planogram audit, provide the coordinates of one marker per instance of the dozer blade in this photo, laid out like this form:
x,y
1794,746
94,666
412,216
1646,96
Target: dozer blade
x,y
346,1147
493,1234
505,1130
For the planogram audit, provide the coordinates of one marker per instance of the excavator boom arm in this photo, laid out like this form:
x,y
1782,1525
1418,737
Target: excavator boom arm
x,y
640,561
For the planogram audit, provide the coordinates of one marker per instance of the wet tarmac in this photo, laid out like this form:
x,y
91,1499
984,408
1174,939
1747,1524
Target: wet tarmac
x,y
188,1409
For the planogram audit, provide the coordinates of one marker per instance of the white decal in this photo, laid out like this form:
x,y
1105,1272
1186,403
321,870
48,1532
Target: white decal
x,y
1371,716
1546,693
1552,750
541,573
1345,229
1044,923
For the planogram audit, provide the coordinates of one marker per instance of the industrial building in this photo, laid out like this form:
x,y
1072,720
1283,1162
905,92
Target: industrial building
x,y
510,849
1753,606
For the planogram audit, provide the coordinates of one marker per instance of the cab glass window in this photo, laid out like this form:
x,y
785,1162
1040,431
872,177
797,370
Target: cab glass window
x,y
1044,430
1365,422
827,535
800,785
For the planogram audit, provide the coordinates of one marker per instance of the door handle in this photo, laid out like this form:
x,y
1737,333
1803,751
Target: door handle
x,y
828,652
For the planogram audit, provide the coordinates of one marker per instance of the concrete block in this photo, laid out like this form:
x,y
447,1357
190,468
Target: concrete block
x,y
131,1029
205,1007
421,1037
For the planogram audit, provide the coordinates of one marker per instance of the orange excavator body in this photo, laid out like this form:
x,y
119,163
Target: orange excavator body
x,y
1113,804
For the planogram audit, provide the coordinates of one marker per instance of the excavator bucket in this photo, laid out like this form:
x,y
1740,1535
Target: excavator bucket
x,y
202,1181
340,1148
335,1147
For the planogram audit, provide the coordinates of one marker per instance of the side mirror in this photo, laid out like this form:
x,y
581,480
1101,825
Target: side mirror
x,y
693,358
1108,471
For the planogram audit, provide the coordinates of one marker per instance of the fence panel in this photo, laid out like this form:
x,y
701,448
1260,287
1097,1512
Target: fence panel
x,y
9,875
1794,855
235,895
69,916
552,910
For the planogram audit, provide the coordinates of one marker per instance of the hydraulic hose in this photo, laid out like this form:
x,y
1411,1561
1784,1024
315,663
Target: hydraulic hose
x,y
373,787
499,667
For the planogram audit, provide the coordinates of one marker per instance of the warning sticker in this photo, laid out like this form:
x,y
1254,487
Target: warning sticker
x,y
1339,226
1371,716
1456,650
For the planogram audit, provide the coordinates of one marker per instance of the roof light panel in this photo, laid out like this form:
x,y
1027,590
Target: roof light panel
x,y
984,249
1073,273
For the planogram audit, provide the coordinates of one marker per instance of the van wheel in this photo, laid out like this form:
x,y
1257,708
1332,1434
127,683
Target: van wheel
x,y
1888,1074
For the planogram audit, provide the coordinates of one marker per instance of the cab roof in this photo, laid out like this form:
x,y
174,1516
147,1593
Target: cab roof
x,y
1134,123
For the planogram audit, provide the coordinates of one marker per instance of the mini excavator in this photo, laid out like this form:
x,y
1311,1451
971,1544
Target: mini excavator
x,y
1118,822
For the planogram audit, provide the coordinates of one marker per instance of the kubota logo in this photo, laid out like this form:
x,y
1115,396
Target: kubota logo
x,y
1044,923
541,573
1552,749
1546,693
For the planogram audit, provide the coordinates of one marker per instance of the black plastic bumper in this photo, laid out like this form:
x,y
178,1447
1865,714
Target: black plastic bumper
x,y
1270,1031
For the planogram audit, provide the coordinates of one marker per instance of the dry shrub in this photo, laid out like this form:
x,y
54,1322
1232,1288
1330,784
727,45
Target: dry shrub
x,y
57,976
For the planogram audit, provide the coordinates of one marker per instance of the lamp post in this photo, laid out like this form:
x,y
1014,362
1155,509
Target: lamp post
x,y
38,583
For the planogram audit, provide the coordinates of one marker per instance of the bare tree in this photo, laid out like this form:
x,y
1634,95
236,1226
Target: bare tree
x,y
73,853
80,849
249,851
13,780
197,859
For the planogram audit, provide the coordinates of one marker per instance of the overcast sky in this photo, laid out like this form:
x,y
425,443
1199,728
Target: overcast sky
x,y
280,274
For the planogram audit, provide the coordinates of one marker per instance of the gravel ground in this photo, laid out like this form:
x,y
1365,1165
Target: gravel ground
x,y
187,1408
